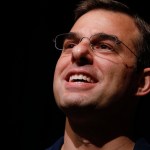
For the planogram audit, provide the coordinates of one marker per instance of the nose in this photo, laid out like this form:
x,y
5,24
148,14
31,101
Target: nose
x,y
81,53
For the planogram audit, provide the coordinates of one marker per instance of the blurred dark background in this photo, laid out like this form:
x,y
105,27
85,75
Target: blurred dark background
x,y
34,121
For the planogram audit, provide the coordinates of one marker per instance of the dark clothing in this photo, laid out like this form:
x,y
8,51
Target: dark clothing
x,y
57,145
141,144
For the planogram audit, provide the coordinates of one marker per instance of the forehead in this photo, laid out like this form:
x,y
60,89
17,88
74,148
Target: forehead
x,y
109,22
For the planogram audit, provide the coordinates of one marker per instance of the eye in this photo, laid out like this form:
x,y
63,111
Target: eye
x,y
103,46
69,44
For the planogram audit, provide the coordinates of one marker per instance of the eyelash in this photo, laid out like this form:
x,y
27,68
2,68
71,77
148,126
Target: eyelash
x,y
101,45
105,46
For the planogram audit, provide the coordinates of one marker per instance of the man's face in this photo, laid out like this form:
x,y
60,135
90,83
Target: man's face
x,y
84,79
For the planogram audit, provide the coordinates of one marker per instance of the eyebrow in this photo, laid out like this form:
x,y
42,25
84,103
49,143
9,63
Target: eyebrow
x,y
77,34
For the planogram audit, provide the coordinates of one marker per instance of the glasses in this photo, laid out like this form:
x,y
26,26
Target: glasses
x,y
100,43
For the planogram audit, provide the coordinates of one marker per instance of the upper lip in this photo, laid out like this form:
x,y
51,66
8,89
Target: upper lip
x,y
81,72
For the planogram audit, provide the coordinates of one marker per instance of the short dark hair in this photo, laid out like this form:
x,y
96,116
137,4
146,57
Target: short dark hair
x,y
142,43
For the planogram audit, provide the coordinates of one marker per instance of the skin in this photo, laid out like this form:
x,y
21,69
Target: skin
x,y
99,114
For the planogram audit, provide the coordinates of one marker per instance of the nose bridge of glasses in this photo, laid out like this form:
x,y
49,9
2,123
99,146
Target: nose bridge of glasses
x,y
84,38
89,39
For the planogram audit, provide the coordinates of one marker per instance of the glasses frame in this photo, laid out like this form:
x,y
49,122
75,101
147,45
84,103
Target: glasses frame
x,y
109,35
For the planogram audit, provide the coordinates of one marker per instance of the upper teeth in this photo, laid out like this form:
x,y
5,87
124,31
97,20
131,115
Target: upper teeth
x,y
80,77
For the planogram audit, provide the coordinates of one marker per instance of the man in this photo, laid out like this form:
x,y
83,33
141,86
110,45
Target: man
x,y
102,72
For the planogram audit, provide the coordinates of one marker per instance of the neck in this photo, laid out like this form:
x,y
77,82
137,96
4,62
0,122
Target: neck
x,y
105,133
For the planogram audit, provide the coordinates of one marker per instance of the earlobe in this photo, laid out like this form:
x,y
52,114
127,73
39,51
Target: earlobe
x,y
144,83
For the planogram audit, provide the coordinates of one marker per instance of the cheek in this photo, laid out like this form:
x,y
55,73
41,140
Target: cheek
x,y
61,65
59,74
115,75
121,79
60,68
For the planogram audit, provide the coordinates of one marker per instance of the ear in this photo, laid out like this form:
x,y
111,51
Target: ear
x,y
144,83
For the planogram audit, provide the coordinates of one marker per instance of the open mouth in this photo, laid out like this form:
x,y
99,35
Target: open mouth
x,y
80,78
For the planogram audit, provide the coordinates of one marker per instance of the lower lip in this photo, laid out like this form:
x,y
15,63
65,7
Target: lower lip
x,y
79,85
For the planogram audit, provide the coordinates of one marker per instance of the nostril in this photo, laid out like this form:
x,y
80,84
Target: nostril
x,y
83,60
81,53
